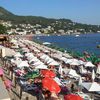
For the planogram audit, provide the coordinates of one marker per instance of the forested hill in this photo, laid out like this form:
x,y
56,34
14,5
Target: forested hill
x,y
8,16
65,24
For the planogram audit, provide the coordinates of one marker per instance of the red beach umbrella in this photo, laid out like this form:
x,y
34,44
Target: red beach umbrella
x,y
72,97
51,85
48,73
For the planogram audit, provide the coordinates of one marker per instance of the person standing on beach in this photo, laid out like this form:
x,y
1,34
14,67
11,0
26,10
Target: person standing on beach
x,y
72,88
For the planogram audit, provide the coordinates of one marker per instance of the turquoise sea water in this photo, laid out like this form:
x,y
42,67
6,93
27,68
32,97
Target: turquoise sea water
x,y
84,42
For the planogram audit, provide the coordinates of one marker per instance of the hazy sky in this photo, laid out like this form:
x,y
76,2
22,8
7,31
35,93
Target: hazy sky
x,y
84,11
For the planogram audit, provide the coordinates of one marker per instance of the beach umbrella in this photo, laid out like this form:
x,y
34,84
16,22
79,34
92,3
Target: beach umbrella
x,y
88,64
16,61
81,62
36,50
46,51
63,59
92,87
82,70
72,97
74,62
50,60
69,61
34,60
54,63
23,64
93,75
47,59
73,73
37,63
98,70
28,54
51,85
80,81
43,56
60,70
48,73
42,66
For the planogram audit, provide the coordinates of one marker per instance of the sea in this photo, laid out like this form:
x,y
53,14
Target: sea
x,y
77,43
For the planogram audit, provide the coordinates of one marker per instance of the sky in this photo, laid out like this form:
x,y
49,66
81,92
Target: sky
x,y
83,11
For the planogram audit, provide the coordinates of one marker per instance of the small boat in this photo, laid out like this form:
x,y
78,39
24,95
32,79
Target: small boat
x,y
46,43
76,35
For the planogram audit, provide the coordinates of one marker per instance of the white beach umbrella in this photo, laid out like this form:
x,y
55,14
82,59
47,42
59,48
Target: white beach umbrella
x,y
72,73
98,70
41,66
82,70
69,61
28,54
49,61
72,62
54,63
37,63
75,62
60,70
63,59
46,51
43,56
36,50
23,64
93,75
89,64
33,60
67,55
81,62
80,81
93,87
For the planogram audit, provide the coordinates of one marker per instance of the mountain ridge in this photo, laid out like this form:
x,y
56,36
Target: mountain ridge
x,y
8,16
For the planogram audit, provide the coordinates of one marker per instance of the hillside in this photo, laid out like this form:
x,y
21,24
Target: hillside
x,y
63,24
6,15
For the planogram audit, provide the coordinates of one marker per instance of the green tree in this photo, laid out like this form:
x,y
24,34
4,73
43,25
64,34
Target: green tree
x,y
3,29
